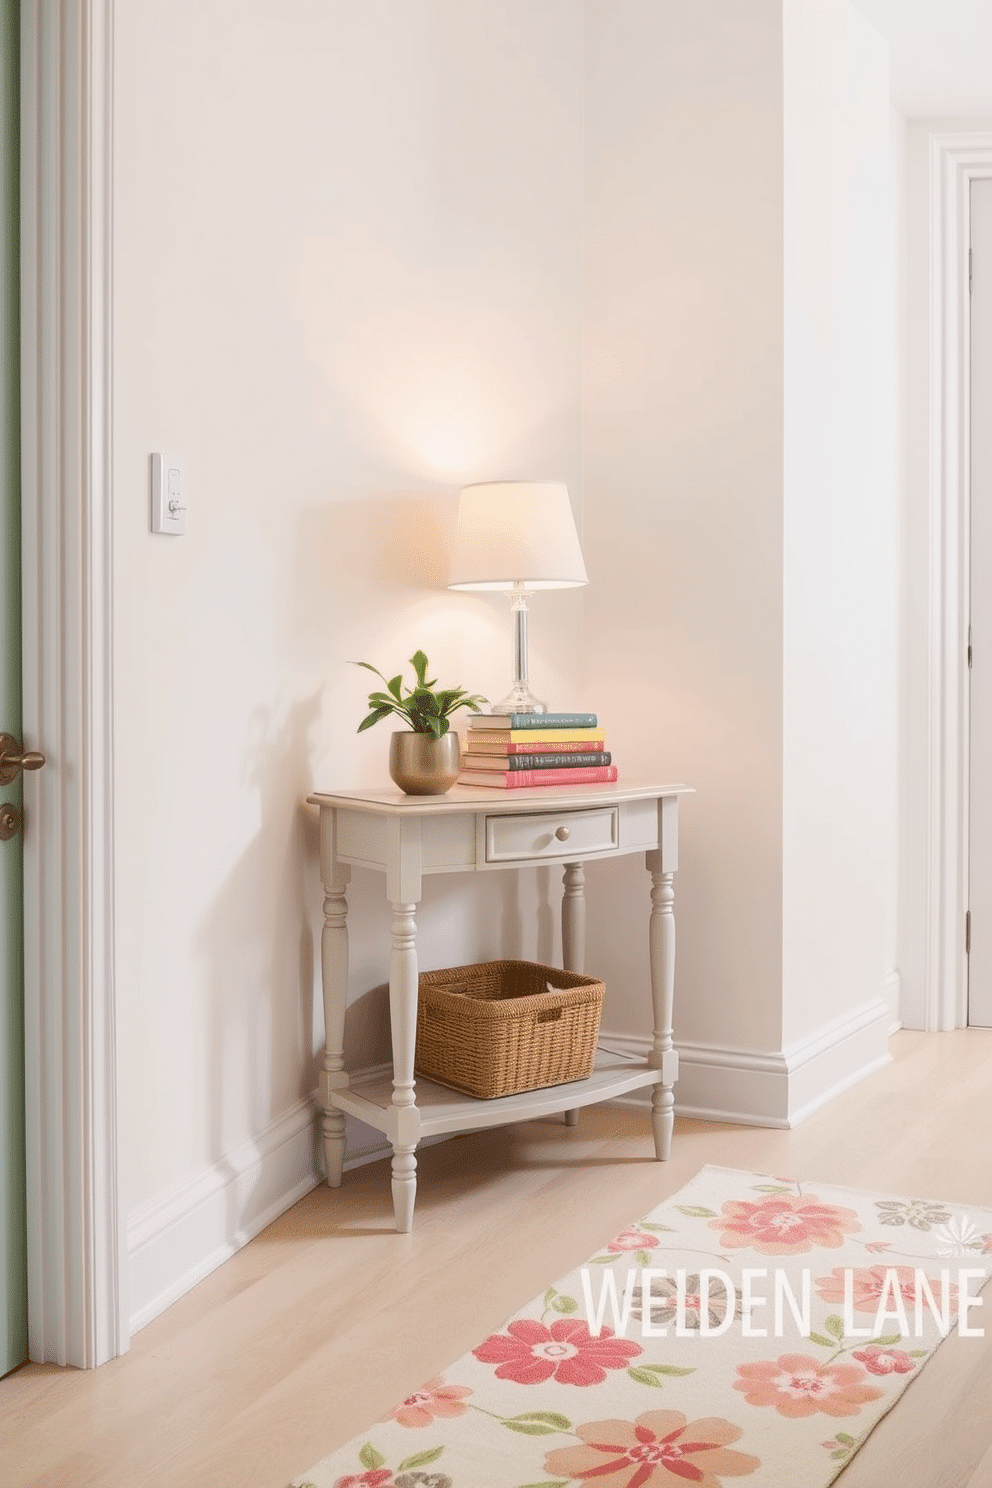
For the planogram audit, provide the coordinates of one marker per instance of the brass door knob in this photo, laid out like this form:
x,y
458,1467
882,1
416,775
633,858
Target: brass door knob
x,y
13,759
562,833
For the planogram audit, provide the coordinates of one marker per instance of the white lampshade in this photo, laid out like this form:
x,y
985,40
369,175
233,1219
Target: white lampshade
x,y
516,532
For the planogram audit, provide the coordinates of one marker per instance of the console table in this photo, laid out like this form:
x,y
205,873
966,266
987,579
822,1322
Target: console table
x,y
477,830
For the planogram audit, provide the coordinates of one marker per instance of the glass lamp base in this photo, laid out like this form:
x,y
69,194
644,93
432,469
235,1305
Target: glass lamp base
x,y
520,699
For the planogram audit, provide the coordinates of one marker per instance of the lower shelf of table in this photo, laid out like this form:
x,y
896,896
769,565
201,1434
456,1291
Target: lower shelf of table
x,y
441,1110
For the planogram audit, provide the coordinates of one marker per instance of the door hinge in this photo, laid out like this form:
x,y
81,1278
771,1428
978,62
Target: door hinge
x,y
969,647
967,932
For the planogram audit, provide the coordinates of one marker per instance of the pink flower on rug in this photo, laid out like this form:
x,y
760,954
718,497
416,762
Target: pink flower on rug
x,y
784,1225
433,1399
378,1477
632,1240
879,1360
659,1449
530,1353
868,1282
797,1385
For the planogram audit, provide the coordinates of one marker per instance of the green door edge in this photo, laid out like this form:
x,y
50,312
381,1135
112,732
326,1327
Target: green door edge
x,y
13,1233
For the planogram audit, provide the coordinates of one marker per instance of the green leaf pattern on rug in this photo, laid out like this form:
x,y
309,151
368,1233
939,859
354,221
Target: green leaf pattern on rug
x,y
559,1302
842,1446
647,1374
420,1459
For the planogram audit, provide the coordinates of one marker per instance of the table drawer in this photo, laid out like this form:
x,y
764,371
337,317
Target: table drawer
x,y
558,834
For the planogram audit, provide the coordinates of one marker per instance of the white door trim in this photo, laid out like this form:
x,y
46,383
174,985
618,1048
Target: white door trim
x,y
77,1311
955,161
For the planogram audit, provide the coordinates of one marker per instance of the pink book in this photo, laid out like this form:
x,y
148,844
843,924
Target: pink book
x,y
518,779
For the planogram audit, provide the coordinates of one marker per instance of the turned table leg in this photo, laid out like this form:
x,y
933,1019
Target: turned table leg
x,y
663,1055
573,934
334,980
403,1020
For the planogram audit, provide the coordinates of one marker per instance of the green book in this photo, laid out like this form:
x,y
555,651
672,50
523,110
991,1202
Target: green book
x,y
532,720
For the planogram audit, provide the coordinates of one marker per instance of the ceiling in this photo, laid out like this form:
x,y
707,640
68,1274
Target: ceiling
x,y
940,54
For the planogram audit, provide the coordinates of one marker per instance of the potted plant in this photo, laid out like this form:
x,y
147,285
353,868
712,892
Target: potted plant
x,y
426,760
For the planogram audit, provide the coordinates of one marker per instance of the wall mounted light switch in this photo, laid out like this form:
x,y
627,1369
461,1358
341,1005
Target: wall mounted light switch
x,y
169,494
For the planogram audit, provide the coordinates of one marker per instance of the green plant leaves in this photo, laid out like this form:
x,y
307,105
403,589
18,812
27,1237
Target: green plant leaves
x,y
423,708
370,1458
375,717
419,663
694,1211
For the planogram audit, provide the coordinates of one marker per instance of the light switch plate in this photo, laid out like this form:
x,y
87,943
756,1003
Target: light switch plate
x,y
169,494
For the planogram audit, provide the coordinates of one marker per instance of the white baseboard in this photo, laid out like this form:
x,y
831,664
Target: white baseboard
x,y
181,1236
892,991
751,1087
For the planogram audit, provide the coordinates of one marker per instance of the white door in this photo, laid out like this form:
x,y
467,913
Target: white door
x,y
13,1240
980,826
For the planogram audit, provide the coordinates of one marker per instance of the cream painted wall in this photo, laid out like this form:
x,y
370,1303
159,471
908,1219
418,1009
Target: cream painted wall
x,y
682,437
347,279
740,506
841,521
364,253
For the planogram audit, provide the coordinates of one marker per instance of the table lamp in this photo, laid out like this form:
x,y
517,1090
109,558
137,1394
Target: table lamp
x,y
517,536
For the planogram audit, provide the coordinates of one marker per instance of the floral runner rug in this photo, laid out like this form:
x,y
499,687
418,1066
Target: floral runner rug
x,y
749,1327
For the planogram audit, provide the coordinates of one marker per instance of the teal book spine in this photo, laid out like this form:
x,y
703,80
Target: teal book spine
x,y
533,720
555,761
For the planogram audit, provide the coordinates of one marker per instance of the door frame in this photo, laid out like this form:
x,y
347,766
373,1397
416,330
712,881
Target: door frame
x,y
955,161
77,1311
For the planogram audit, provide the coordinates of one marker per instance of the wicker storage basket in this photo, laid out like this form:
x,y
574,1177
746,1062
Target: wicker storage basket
x,y
501,1027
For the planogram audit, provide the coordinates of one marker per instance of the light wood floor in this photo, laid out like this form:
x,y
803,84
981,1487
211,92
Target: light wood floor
x,y
328,1319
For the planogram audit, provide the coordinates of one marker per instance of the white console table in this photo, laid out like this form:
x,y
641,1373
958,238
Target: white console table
x,y
474,830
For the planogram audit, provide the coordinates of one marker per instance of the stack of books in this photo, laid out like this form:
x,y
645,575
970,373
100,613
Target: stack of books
x,y
511,751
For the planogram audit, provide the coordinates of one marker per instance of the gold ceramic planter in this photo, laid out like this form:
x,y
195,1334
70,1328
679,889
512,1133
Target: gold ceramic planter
x,y
422,765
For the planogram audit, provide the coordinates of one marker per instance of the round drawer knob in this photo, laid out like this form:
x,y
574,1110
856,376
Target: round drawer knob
x,y
563,834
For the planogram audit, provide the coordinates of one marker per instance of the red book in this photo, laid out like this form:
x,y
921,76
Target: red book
x,y
519,779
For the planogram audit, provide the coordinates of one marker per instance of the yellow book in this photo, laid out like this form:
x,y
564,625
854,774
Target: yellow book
x,y
590,737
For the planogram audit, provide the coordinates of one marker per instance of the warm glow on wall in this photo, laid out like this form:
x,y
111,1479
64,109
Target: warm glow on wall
x,y
445,379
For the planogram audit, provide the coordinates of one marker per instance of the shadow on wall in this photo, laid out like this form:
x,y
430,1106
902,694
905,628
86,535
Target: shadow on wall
x,y
259,1055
